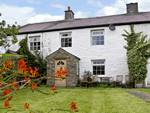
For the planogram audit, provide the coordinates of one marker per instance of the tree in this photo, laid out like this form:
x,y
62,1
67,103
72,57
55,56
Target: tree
x,y
137,54
8,31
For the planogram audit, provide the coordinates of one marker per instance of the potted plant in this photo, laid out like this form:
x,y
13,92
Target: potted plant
x,y
139,79
89,75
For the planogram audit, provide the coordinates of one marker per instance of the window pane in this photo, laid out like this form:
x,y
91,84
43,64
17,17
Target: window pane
x,y
94,37
94,68
97,32
94,72
101,32
102,73
38,43
67,40
98,62
93,42
31,48
31,44
102,38
64,34
94,62
98,37
35,39
69,34
102,42
102,62
98,43
31,39
34,48
70,44
38,38
98,72
39,48
66,44
34,43
98,68
62,44
70,39
102,68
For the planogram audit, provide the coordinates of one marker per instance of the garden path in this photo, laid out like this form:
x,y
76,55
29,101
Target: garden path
x,y
141,95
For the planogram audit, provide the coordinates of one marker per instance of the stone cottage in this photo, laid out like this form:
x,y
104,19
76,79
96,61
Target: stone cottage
x,y
94,44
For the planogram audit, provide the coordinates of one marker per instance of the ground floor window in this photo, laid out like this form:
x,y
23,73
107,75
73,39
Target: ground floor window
x,y
98,67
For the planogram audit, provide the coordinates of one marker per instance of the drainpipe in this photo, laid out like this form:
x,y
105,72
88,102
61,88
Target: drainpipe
x,y
42,43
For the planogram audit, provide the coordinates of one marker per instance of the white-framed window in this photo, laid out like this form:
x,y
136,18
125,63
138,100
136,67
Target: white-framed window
x,y
98,67
66,40
98,37
34,42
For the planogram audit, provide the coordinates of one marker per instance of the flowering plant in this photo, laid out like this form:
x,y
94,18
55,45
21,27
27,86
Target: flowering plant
x,y
23,71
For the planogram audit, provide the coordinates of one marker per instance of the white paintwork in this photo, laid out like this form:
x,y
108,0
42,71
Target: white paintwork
x,y
112,51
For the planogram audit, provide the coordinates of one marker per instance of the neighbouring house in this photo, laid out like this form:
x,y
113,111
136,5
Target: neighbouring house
x,y
94,44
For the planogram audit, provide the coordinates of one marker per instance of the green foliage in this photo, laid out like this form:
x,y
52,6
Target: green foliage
x,y
106,85
33,60
137,54
78,84
9,30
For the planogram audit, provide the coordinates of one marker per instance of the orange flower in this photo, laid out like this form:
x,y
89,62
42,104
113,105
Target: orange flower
x,y
53,88
61,72
15,82
58,74
6,104
7,91
27,79
64,72
1,84
2,71
4,64
26,106
34,86
73,106
10,62
9,83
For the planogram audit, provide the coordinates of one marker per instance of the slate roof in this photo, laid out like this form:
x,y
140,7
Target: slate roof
x,y
121,19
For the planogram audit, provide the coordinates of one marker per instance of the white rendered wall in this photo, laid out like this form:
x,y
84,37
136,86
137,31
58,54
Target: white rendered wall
x,y
112,51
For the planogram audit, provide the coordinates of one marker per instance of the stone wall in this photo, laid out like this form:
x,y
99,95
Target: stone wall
x,y
70,66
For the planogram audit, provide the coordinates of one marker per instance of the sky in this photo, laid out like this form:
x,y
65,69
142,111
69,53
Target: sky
x,y
34,11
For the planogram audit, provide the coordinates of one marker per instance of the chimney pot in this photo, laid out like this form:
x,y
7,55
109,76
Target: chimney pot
x,y
69,15
68,7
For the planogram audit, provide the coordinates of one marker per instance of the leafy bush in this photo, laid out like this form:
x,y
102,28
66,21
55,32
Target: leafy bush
x,y
106,85
33,60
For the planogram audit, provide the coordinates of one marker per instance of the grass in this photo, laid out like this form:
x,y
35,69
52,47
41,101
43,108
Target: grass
x,y
88,100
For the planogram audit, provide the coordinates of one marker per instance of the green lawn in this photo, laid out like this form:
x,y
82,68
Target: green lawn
x,y
88,100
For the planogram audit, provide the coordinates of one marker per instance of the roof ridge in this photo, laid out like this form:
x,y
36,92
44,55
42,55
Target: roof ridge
x,y
83,18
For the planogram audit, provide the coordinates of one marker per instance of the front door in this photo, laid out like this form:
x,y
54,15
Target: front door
x,y
58,65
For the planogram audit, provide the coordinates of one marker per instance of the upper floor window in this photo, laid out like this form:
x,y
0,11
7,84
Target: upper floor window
x,y
98,37
66,40
34,43
99,67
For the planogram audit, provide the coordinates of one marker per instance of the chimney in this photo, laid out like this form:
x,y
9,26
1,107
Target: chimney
x,y
69,15
132,8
